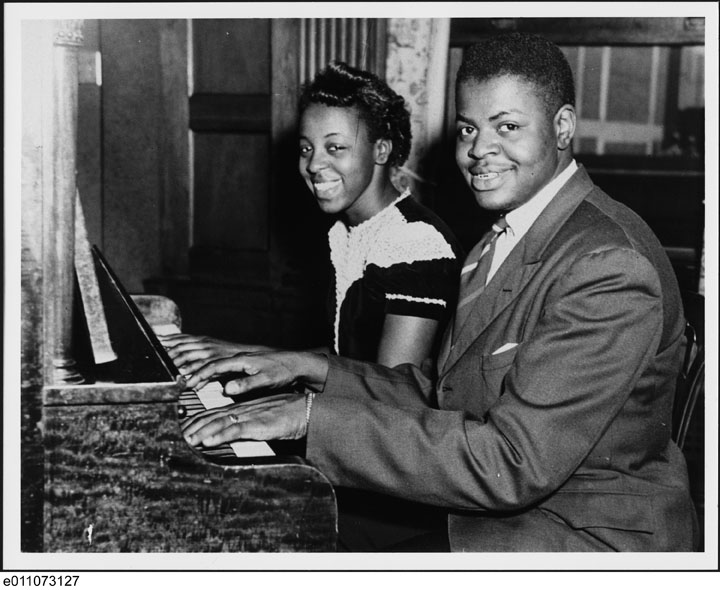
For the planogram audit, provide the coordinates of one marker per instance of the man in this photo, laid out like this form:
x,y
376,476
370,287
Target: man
x,y
548,426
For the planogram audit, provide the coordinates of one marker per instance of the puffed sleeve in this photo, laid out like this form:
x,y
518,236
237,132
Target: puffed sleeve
x,y
416,271
425,288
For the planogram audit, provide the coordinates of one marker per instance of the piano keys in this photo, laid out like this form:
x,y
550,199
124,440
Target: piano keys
x,y
208,397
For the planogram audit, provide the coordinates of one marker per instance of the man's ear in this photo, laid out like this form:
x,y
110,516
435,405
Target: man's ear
x,y
383,149
564,122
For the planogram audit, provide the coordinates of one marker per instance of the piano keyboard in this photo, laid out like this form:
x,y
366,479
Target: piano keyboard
x,y
209,397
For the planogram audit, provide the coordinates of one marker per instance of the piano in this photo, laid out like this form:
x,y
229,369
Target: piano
x,y
104,465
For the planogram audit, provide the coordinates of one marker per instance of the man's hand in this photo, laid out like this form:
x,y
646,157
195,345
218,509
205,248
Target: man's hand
x,y
189,352
270,418
270,370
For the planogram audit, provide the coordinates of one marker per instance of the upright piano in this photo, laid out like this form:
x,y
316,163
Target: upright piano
x,y
104,465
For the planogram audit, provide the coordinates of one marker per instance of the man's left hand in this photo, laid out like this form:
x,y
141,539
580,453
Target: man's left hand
x,y
269,418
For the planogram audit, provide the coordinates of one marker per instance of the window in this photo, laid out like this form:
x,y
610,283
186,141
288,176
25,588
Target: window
x,y
645,101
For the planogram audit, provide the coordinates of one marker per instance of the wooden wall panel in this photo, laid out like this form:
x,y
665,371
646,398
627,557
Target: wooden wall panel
x,y
230,113
131,114
587,31
174,147
231,56
230,116
231,191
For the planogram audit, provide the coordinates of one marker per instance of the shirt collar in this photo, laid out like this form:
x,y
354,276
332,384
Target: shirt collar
x,y
519,220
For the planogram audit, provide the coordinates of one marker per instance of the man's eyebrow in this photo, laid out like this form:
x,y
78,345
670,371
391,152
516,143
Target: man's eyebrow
x,y
505,113
461,118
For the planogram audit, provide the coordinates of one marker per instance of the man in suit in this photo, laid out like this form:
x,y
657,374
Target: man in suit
x,y
547,427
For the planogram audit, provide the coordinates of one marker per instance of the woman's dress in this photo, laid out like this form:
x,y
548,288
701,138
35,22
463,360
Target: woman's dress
x,y
402,261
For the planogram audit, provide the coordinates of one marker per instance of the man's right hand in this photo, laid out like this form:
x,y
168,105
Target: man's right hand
x,y
271,370
190,352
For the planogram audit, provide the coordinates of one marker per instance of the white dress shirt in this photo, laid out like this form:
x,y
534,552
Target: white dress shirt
x,y
521,219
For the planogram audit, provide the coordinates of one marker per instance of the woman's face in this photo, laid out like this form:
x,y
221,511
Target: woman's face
x,y
337,159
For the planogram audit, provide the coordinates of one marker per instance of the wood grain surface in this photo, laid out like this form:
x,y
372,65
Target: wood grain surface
x,y
120,478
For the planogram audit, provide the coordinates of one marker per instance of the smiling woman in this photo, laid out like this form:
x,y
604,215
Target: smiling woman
x,y
394,262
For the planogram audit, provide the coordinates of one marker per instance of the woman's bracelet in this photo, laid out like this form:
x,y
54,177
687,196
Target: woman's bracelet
x,y
309,396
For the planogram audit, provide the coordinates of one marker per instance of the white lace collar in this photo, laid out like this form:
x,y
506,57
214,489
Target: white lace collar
x,y
349,250
368,224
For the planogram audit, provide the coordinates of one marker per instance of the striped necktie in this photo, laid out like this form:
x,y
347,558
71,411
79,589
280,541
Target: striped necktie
x,y
475,272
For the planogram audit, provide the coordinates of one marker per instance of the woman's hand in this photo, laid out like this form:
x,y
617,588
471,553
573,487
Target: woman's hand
x,y
263,370
269,418
189,352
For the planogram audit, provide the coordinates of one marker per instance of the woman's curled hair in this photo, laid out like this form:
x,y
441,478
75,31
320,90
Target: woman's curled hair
x,y
381,109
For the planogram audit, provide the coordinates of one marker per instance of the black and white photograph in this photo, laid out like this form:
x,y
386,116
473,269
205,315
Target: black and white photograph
x,y
359,287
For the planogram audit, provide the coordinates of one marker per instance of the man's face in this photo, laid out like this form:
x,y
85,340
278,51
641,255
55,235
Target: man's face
x,y
507,142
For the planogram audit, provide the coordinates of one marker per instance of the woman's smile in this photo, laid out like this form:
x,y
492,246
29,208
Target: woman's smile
x,y
324,186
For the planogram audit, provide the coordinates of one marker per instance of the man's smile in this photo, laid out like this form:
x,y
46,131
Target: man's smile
x,y
486,176
486,180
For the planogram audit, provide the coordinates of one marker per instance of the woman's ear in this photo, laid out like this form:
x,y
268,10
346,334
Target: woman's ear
x,y
383,149
565,126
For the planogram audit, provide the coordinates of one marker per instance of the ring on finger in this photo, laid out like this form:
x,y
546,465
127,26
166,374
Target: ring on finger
x,y
234,419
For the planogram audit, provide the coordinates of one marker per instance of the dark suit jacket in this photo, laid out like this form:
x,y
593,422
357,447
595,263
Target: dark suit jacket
x,y
573,424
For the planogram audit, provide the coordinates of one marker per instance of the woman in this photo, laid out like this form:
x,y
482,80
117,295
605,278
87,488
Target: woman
x,y
395,264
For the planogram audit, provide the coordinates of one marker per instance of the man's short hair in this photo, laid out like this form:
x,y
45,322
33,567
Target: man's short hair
x,y
526,56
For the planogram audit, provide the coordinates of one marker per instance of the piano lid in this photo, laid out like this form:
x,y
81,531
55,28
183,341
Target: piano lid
x,y
142,369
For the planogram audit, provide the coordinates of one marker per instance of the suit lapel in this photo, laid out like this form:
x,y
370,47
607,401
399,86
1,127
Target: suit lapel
x,y
516,271
505,286
445,346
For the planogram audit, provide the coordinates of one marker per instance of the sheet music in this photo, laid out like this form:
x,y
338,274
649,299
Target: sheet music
x,y
101,344
209,397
